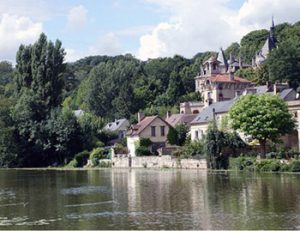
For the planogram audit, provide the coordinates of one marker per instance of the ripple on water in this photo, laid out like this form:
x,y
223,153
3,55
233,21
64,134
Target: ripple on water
x,y
6,194
91,204
84,190
24,221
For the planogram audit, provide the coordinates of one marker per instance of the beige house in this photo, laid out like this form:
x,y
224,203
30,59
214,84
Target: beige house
x,y
153,127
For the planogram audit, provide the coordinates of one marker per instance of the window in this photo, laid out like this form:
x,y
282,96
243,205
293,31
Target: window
x,y
153,131
162,130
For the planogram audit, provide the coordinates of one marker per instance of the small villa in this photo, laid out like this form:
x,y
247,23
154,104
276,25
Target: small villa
x,y
153,127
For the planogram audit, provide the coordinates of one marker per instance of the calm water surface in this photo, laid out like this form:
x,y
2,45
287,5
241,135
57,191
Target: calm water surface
x,y
147,199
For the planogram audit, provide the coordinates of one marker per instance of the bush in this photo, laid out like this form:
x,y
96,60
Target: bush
x,y
295,166
142,151
120,149
82,158
145,142
192,149
72,164
242,163
104,164
97,154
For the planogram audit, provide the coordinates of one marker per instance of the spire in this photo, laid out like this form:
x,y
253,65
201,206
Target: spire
x,y
222,59
272,36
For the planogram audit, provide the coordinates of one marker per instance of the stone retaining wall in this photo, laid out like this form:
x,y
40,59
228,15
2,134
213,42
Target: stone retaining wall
x,y
158,162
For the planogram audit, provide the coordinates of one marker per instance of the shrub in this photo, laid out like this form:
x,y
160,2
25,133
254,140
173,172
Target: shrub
x,y
120,149
142,151
97,154
145,142
72,164
104,164
81,158
295,166
242,163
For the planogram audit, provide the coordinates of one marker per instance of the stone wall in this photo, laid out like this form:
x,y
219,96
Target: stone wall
x,y
157,162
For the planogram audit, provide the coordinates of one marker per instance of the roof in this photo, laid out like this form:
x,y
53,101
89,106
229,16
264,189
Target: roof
x,y
206,115
136,129
175,119
284,93
117,125
226,79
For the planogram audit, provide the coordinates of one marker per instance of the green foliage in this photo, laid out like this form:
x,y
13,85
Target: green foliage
x,y
295,166
98,154
82,158
233,49
262,117
252,43
142,151
145,142
177,135
90,129
242,163
284,62
194,148
214,142
172,136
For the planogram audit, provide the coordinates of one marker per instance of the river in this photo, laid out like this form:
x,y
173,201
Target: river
x,y
147,199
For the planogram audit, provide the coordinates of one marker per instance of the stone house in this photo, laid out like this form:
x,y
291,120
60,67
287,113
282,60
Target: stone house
x,y
153,127
217,81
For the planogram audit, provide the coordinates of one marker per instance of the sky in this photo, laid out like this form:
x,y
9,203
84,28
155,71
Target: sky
x,y
144,28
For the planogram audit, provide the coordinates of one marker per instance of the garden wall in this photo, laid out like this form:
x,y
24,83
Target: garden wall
x,y
157,162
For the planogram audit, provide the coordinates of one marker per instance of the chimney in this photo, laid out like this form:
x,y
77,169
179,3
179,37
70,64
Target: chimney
x,y
231,76
168,114
141,116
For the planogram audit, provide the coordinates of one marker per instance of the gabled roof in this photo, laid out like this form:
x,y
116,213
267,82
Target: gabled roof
x,y
206,115
175,119
226,79
136,129
117,125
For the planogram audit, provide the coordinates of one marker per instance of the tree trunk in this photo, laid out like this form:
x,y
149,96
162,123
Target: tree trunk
x,y
263,148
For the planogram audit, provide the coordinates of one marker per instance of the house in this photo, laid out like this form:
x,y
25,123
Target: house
x,y
176,119
219,110
217,81
153,127
215,111
119,126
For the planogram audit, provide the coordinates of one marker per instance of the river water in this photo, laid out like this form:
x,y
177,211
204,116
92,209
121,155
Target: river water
x,y
147,199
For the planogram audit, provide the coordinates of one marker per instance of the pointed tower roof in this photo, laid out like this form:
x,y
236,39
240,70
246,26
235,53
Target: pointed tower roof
x,y
222,59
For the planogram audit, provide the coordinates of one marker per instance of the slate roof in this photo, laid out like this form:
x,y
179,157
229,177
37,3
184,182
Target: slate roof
x,y
285,93
119,124
206,115
175,119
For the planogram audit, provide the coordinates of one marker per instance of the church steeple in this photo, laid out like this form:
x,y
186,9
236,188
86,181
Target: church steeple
x,y
272,36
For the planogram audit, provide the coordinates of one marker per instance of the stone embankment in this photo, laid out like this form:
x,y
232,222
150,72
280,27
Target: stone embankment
x,y
157,162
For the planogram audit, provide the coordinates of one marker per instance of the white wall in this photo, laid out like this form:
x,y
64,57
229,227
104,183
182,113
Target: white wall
x,y
131,144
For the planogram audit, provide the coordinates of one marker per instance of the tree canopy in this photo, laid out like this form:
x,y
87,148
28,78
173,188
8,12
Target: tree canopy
x,y
263,117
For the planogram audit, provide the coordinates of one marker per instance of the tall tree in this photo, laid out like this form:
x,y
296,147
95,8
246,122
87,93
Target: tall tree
x,y
263,117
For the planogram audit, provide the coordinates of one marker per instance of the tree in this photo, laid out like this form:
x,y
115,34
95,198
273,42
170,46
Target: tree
x,y
233,49
263,117
284,62
214,142
178,135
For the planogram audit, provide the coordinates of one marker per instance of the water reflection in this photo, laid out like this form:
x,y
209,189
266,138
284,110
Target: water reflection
x,y
148,199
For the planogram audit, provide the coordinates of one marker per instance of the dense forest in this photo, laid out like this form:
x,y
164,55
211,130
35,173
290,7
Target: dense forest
x,y
37,96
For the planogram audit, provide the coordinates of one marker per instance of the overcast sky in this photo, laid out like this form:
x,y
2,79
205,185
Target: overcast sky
x,y
145,28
